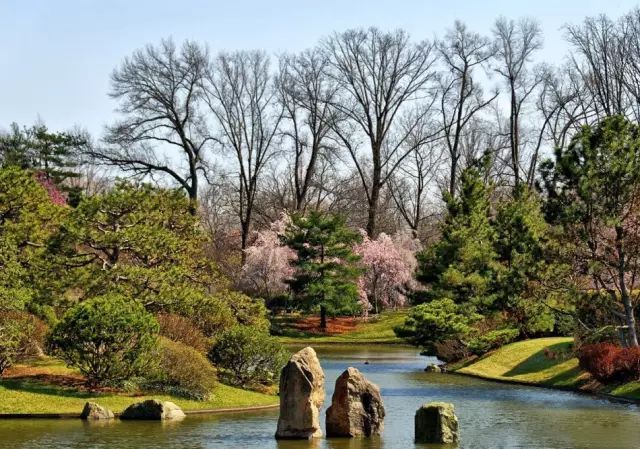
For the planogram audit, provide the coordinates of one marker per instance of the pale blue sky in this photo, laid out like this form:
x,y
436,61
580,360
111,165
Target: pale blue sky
x,y
56,55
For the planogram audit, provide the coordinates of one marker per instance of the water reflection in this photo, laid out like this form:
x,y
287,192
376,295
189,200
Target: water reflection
x,y
491,416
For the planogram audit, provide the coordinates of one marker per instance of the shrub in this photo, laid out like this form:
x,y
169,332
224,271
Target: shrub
x,y
181,329
492,340
451,350
211,315
247,356
108,338
608,362
21,336
183,371
435,322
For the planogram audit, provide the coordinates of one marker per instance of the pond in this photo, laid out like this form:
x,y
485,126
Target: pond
x,y
491,415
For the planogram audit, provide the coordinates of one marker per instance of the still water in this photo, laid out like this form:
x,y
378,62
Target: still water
x,y
491,415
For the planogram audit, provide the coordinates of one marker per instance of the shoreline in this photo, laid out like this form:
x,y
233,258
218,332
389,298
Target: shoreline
x,y
214,411
594,394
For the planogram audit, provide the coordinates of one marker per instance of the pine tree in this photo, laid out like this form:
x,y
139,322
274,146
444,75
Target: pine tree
x,y
326,269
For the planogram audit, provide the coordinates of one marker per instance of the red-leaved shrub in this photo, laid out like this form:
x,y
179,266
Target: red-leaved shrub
x,y
608,362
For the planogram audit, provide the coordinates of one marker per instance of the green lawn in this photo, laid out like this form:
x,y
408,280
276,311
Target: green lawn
x,y
375,330
34,396
526,362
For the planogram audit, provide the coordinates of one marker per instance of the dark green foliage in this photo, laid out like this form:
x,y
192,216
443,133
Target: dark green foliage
x,y
54,154
435,322
183,371
492,340
246,356
109,339
28,220
593,190
138,241
326,267
460,265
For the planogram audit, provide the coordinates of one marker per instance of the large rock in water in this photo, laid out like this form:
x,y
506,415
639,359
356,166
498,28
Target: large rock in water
x,y
92,410
436,422
301,396
153,410
356,407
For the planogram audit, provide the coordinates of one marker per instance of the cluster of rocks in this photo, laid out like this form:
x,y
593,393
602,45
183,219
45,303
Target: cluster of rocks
x,y
356,407
151,410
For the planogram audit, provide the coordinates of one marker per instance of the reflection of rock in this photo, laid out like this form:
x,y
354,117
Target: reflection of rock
x,y
356,407
92,411
301,396
153,410
436,422
433,368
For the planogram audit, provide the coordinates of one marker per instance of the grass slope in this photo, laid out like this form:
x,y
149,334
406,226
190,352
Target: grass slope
x,y
32,395
528,362
375,330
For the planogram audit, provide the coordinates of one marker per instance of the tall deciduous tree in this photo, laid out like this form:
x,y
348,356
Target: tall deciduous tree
x,y
382,76
163,131
306,92
516,42
462,53
242,97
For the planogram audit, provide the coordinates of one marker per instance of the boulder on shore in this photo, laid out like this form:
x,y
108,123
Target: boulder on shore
x,y
301,396
92,411
153,410
436,422
356,407
433,368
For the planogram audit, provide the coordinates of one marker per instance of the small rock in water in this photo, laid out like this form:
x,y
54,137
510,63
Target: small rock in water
x,y
356,407
92,411
366,362
436,422
433,368
153,409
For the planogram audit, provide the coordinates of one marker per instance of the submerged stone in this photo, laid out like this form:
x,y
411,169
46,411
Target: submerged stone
x,y
153,410
436,422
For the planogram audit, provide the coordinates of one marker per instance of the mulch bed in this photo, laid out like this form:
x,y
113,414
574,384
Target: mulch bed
x,y
335,326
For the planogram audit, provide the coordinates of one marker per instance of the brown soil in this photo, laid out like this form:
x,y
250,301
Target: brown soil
x,y
40,375
335,326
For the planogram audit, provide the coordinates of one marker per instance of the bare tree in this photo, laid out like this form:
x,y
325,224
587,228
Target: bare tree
x,y
163,131
380,75
306,93
242,99
516,42
461,51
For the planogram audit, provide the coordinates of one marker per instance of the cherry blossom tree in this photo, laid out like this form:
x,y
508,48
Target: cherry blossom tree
x,y
267,265
389,265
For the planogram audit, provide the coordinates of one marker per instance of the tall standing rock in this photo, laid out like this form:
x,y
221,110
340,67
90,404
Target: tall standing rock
x,y
301,396
356,407
436,422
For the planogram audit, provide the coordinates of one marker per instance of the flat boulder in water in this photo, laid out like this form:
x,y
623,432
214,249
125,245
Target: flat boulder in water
x,y
93,411
356,407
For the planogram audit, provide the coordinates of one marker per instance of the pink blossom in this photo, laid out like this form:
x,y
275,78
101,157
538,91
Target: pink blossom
x,y
268,264
389,265
55,195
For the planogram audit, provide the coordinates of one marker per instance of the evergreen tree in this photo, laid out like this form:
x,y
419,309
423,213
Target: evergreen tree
x,y
326,269
461,265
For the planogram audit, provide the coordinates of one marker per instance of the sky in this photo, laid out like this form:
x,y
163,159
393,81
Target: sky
x,y
56,55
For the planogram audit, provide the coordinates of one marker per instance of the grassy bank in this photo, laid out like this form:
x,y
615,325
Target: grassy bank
x,y
49,388
372,330
546,362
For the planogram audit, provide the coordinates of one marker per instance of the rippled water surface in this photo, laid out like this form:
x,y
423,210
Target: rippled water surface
x,y
491,415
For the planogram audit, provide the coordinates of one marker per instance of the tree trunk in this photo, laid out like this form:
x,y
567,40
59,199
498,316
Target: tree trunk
x,y
323,318
624,293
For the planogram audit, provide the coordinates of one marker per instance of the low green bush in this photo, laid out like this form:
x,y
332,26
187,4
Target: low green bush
x,y
21,336
248,356
108,338
183,371
492,340
178,328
